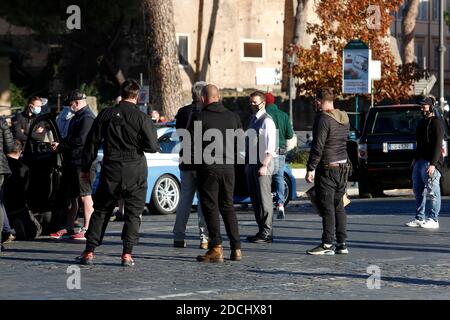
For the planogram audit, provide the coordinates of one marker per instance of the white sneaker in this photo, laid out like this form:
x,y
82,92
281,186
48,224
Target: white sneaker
x,y
415,223
430,224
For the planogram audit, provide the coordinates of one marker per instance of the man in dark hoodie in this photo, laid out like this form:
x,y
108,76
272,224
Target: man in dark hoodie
x,y
427,166
328,159
216,173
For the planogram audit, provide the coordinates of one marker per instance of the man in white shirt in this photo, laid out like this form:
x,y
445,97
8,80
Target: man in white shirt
x,y
261,146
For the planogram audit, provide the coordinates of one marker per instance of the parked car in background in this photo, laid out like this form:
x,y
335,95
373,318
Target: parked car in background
x,y
386,148
163,193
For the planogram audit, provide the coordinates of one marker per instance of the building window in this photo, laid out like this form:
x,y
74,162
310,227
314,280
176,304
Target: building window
x,y
423,12
252,50
435,8
183,49
419,55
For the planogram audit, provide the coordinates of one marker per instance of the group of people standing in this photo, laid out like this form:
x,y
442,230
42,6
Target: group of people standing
x,y
125,134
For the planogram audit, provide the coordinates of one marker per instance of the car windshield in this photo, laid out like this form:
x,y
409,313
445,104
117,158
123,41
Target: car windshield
x,y
169,142
396,121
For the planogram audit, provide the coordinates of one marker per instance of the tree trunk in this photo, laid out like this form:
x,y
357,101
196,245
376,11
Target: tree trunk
x,y
164,74
410,13
300,22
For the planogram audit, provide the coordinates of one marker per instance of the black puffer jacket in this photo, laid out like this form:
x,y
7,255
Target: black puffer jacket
x,y
6,145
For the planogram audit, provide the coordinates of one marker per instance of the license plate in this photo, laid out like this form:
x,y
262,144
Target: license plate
x,y
400,146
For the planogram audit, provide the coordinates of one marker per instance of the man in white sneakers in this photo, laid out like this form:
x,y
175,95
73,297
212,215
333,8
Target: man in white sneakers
x,y
427,166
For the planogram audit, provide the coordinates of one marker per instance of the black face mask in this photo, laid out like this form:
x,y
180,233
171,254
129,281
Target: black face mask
x,y
253,109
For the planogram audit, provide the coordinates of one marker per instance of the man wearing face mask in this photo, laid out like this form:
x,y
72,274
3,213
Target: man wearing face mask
x,y
427,167
23,120
72,148
260,149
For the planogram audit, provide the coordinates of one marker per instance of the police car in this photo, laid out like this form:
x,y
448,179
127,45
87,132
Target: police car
x,y
163,193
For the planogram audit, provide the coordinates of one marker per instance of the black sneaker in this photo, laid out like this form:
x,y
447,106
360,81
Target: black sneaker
x,y
341,248
252,238
321,250
262,239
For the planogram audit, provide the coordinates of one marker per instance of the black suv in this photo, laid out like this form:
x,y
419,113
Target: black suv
x,y
386,149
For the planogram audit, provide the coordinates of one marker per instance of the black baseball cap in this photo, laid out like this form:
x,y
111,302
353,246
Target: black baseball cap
x,y
74,96
427,101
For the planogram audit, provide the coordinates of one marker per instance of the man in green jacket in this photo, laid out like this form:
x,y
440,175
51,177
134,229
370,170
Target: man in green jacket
x,y
285,132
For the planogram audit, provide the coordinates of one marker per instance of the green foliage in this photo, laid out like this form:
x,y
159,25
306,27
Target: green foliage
x,y
18,100
298,156
89,89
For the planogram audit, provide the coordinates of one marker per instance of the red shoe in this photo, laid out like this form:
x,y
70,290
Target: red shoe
x,y
59,234
127,261
86,258
79,235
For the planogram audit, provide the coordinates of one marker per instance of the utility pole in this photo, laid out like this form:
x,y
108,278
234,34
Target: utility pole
x,y
441,54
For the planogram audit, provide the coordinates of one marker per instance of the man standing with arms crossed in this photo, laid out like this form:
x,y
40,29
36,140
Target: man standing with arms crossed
x,y
125,133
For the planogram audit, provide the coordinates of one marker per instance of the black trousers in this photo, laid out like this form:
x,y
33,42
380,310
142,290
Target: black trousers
x,y
126,180
216,187
330,187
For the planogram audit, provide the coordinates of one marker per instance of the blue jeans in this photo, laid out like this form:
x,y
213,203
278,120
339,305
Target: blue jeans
x,y
279,180
423,185
187,192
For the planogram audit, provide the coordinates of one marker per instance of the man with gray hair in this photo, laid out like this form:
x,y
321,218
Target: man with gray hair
x,y
189,177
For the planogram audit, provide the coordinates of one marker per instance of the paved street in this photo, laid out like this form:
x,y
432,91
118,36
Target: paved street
x,y
413,263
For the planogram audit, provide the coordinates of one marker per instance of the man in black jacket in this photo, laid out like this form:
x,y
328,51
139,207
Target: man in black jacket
x,y
23,120
427,167
329,160
216,173
125,133
72,148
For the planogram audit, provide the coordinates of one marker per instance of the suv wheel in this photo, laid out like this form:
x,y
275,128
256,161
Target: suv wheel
x,y
367,189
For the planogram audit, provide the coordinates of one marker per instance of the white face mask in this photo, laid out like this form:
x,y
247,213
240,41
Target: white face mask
x,y
36,110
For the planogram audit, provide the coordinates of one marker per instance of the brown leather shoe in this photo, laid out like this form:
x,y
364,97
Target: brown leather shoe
x,y
215,254
204,245
236,255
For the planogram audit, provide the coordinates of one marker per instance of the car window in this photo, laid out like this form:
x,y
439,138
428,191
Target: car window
x,y
397,121
169,143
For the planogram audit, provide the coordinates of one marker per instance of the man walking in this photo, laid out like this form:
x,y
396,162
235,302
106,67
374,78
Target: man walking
x,y
125,133
188,177
260,151
216,174
285,132
427,167
328,161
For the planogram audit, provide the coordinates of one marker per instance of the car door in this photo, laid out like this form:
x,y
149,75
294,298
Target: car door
x,y
45,165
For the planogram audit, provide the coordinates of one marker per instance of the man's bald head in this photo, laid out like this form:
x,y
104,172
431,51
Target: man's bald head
x,y
210,94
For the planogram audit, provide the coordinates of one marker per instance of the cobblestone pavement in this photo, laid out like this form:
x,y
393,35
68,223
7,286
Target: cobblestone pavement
x,y
413,263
